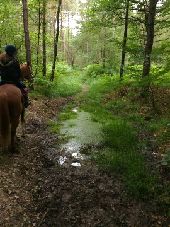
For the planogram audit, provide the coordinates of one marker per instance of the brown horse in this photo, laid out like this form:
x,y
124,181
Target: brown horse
x,y
11,109
25,72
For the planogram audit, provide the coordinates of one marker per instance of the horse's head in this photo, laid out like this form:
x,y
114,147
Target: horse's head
x,y
25,72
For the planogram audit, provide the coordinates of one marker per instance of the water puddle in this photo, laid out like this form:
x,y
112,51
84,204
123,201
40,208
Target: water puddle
x,y
81,133
76,164
62,160
78,156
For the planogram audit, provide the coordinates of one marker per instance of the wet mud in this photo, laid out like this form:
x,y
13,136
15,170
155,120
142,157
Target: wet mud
x,y
39,188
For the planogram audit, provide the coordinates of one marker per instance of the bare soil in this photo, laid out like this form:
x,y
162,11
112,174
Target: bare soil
x,y
36,191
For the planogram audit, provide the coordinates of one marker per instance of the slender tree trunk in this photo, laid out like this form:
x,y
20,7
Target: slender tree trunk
x,y
44,39
124,40
72,61
39,31
68,37
27,40
150,22
103,56
26,31
62,34
56,40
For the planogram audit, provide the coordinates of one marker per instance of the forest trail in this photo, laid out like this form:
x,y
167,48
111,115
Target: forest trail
x,y
107,65
35,190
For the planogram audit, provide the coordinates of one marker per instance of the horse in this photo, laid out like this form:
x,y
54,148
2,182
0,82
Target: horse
x,y
25,72
11,110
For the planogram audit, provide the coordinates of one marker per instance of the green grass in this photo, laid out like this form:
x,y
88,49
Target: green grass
x,y
67,82
160,128
61,87
119,135
65,114
121,122
130,166
122,156
54,126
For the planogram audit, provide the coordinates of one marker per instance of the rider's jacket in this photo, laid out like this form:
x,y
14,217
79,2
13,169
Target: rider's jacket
x,y
9,69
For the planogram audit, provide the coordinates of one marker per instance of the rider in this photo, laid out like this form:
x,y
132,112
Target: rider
x,y
10,71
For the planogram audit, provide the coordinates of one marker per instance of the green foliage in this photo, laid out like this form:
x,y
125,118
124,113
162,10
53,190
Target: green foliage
x,y
123,157
130,165
122,122
11,29
163,79
64,69
93,70
134,71
160,128
67,114
67,83
54,127
166,159
101,86
119,135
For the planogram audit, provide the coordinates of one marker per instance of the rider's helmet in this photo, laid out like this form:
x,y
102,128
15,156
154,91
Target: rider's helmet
x,y
10,50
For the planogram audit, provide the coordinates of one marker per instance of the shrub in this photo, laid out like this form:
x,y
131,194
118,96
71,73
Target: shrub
x,y
66,83
94,70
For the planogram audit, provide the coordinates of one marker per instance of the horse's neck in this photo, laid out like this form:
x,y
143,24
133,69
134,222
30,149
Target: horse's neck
x,y
22,73
25,72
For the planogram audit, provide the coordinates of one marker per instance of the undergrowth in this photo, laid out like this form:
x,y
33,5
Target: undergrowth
x,y
67,82
118,107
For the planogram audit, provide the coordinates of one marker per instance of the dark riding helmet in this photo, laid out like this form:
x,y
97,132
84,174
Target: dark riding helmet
x,y
10,50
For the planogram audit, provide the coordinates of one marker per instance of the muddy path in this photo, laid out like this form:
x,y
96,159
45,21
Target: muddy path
x,y
35,190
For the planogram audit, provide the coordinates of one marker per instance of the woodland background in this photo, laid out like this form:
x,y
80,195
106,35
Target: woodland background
x,y
104,35
110,58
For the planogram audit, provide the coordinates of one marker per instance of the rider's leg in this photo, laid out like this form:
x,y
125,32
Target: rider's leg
x,y
24,92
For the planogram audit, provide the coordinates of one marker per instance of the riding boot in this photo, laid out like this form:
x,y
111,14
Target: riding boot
x,y
26,101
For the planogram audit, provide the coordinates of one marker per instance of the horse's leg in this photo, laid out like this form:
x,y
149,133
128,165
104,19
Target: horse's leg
x,y
23,122
5,137
14,126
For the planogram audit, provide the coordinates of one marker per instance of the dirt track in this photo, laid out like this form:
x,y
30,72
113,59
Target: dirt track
x,y
35,191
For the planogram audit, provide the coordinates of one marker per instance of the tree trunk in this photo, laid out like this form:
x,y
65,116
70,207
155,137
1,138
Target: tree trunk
x,y
124,40
150,22
26,31
27,40
103,56
44,39
68,37
62,31
39,31
56,40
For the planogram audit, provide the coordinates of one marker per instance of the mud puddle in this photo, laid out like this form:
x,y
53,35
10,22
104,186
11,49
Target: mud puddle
x,y
81,133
